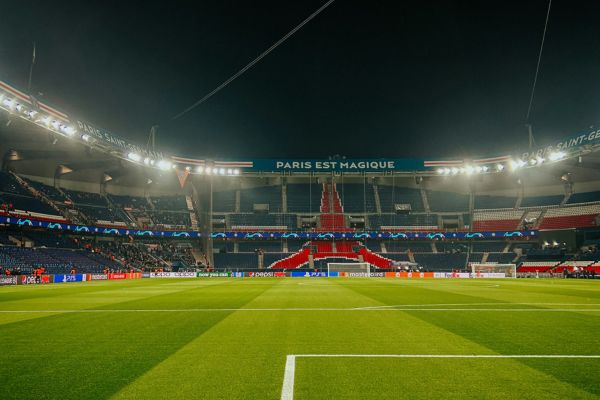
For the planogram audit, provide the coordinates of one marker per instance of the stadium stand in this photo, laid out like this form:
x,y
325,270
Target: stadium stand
x,y
539,201
496,220
270,195
447,201
357,197
304,198
492,202
569,217
224,201
391,195
404,222
586,197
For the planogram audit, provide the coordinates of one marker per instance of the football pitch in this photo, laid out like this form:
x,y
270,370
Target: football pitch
x,y
301,338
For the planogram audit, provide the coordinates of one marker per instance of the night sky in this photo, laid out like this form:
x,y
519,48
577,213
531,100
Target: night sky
x,y
363,79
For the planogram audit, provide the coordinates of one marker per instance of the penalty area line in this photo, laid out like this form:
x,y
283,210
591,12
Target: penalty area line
x,y
287,389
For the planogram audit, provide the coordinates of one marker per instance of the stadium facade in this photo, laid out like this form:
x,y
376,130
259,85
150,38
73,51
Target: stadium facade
x,y
80,196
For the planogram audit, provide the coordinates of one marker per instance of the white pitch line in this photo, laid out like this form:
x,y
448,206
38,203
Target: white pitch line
x,y
477,304
287,389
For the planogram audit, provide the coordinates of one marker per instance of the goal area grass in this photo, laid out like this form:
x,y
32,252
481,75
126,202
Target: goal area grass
x,y
302,338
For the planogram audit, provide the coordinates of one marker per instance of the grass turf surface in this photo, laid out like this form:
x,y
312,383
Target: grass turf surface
x,y
192,339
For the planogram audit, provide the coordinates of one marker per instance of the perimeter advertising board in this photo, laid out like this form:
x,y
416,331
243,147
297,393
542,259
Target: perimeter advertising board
x,y
213,274
97,277
70,278
8,280
36,280
172,274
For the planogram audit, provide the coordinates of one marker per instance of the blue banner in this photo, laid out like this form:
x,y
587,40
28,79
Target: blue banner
x,y
308,274
381,235
341,165
69,278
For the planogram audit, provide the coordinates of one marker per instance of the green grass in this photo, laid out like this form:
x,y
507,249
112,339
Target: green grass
x,y
171,348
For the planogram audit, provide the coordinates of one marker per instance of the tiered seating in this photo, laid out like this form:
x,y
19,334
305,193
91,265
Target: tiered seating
x,y
270,195
26,204
538,201
293,261
171,218
496,220
501,258
87,198
267,246
537,266
587,197
170,203
447,201
425,222
129,202
332,222
569,217
234,261
262,221
375,259
304,198
55,261
441,262
49,191
390,195
224,201
404,246
488,247
485,202
357,198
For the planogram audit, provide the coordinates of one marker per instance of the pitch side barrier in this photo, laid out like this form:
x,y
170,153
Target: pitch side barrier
x,y
69,278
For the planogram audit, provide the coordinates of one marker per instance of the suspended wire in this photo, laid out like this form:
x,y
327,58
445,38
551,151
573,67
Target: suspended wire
x,y
537,68
253,62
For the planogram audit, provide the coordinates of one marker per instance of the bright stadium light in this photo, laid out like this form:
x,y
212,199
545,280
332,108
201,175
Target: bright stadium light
x,y
222,171
134,157
69,130
539,159
500,167
85,137
485,168
19,107
236,171
229,171
557,155
200,169
8,103
454,171
147,160
440,171
469,169
447,171
187,169
164,164
208,170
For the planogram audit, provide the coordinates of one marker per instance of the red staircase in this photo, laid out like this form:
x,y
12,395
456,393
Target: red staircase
x,y
332,211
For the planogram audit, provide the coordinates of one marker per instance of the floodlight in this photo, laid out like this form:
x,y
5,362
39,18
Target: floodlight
x,y
500,167
222,171
134,157
557,155
236,171
147,160
229,171
469,169
85,137
208,170
187,169
454,171
200,169
164,164
440,171
485,168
